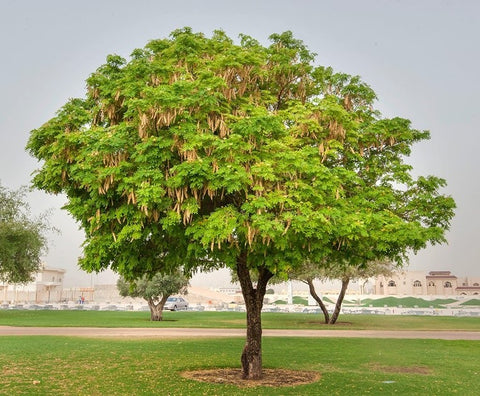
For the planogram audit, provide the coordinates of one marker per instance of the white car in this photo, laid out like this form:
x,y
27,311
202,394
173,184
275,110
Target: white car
x,y
176,303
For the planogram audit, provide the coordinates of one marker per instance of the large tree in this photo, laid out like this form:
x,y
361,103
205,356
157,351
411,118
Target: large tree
x,y
22,237
200,152
154,289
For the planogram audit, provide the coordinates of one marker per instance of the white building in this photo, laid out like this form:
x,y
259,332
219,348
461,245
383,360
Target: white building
x,y
47,287
441,283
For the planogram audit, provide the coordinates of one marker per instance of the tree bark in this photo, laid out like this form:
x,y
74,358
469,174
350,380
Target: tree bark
x,y
156,309
340,298
252,352
319,301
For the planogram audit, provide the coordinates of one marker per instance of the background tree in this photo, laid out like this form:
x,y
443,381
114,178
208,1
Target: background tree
x,y
154,290
200,153
22,237
345,273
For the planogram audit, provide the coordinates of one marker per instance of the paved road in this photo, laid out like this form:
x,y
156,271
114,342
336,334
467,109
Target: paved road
x,y
199,332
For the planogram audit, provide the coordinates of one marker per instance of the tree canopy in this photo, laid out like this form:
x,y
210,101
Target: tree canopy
x,y
202,152
22,237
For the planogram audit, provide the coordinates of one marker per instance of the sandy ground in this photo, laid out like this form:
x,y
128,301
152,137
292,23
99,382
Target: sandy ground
x,y
200,332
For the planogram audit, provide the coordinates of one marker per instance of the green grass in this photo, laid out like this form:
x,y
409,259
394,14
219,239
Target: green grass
x,y
407,302
232,320
473,302
295,300
299,300
82,366
327,300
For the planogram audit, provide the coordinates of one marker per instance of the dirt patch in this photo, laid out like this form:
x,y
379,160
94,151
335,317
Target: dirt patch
x,y
271,377
422,370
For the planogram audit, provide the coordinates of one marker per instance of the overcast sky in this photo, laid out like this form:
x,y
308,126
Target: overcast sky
x,y
422,59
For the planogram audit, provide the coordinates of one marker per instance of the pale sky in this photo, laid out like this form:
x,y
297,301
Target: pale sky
x,y
421,57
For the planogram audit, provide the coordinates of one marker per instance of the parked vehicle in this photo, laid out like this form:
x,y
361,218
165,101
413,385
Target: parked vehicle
x,y
176,303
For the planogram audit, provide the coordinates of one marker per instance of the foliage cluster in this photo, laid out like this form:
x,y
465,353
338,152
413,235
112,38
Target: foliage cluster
x,y
22,237
200,148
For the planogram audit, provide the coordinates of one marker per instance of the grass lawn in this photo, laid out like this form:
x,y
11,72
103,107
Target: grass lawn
x,y
407,302
81,366
473,302
295,300
232,320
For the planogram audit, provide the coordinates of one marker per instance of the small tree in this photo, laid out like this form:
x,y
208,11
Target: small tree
x,y
22,237
155,290
338,272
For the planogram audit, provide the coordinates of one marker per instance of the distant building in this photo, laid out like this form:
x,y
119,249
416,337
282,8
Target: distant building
x,y
47,287
412,283
229,290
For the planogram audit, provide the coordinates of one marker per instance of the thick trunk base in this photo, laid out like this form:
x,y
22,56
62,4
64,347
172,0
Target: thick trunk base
x,y
154,317
252,352
251,364
156,311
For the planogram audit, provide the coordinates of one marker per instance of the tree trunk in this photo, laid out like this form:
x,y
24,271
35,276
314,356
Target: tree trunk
x,y
340,298
319,301
156,309
252,352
